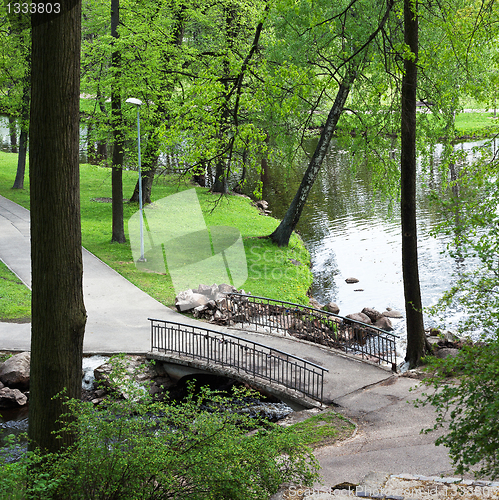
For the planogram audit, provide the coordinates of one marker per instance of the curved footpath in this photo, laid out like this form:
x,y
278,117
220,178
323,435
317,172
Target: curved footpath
x,y
388,436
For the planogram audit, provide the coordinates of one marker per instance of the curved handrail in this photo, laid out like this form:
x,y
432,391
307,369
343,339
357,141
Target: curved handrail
x,y
341,332
244,355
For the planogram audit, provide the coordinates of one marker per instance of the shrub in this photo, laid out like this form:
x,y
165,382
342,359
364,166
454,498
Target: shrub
x,y
198,449
469,404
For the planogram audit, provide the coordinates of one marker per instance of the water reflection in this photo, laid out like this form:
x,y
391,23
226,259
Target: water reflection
x,y
350,231
4,134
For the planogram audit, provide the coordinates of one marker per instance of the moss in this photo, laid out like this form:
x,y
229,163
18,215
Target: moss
x,y
324,429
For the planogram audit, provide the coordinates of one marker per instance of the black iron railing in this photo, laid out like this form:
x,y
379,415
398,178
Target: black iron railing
x,y
223,349
314,325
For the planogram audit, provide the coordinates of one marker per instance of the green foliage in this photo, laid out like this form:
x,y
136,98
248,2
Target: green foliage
x,y
470,199
14,46
476,124
469,405
136,448
13,481
4,357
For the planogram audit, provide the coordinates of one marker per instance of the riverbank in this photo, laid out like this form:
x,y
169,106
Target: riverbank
x,y
469,125
282,273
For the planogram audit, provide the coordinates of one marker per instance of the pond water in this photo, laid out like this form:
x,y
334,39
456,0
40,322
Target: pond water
x,y
351,232
4,134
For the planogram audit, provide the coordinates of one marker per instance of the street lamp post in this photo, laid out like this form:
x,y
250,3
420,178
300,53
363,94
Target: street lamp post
x,y
138,103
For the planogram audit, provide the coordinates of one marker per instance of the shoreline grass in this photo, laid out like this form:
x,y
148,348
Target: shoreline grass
x,y
477,125
470,125
272,271
324,429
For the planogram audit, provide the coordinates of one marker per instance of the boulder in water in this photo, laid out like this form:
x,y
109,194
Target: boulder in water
x,y
12,398
14,372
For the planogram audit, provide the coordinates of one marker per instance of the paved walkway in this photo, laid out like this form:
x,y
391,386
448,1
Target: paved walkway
x,y
117,310
388,437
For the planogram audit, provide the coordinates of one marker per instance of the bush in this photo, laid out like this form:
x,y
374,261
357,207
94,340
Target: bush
x,y
469,404
138,449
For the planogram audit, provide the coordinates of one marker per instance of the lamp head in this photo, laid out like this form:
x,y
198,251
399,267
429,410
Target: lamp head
x,y
132,100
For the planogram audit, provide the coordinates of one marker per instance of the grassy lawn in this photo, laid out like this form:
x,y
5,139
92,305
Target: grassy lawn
x,y
324,429
271,272
467,125
476,124
15,297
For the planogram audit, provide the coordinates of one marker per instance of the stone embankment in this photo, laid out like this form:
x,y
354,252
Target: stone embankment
x,y
209,302
15,378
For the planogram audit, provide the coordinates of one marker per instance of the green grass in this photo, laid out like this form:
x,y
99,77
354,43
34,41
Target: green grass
x,y
467,125
4,356
324,429
15,297
270,270
476,124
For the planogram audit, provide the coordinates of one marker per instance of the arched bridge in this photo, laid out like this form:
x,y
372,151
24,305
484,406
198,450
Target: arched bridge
x,y
194,349
303,374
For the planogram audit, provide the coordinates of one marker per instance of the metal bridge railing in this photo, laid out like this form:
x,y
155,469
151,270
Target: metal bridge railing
x,y
314,325
241,355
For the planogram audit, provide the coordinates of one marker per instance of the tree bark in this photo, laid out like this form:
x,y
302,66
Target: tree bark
x,y
12,134
416,338
91,152
58,310
149,165
24,121
118,228
283,232
220,184
21,160
23,138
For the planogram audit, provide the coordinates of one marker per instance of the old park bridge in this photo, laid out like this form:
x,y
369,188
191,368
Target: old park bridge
x,y
299,378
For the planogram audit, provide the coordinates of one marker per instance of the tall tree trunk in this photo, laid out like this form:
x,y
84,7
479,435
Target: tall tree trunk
x,y
101,153
223,162
220,184
101,156
24,121
58,310
265,171
149,165
283,232
147,181
91,152
414,315
118,228
21,160
12,134
151,155
23,138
